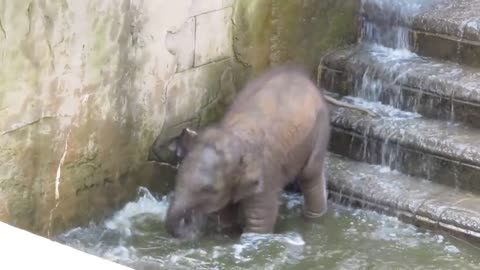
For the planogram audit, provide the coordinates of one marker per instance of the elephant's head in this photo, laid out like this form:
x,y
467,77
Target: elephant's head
x,y
211,176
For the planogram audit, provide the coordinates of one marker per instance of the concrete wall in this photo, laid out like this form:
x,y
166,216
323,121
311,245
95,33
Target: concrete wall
x,y
86,88
273,32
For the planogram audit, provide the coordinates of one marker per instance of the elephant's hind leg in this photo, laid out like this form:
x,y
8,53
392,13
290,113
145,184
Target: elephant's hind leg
x,y
312,181
315,196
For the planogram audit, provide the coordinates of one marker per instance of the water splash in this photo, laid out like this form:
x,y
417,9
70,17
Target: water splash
x,y
147,206
135,236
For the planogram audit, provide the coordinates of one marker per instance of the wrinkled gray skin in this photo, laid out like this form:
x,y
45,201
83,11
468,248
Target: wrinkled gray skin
x,y
227,217
277,130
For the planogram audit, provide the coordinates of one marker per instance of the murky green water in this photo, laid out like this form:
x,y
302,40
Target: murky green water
x,y
344,239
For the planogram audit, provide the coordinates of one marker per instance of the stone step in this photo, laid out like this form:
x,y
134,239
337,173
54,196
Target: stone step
x,y
451,32
435,89
413,200
436,150
443,29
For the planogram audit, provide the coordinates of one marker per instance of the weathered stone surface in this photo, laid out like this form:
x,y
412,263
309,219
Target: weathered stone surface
x,y
181,43
438,151
449,32
85,88
213,83
413,200
438,46
200,7
451,18
228,3
272,32
463,218
211,30
432,88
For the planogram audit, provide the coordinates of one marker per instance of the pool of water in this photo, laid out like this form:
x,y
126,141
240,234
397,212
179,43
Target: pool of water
x,y
344,238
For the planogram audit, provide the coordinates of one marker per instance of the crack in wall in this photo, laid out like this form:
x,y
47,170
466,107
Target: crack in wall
x,y
234,50
29,16
2,29
22,126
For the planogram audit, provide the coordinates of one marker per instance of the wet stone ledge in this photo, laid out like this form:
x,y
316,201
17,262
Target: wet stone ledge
x,y
444,47
420,202
449,31
444,29
438,151
434,89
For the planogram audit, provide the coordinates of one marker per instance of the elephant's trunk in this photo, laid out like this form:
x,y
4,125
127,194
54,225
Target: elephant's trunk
x,y
183,220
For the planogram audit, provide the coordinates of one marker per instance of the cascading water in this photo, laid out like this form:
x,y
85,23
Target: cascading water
x,y
385,34
385,22
384,54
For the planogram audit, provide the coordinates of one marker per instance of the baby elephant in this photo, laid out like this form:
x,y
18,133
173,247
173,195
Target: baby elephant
x,y
276,131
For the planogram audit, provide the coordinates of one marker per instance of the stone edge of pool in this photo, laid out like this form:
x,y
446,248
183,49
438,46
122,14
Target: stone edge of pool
x,y
413,200
24,250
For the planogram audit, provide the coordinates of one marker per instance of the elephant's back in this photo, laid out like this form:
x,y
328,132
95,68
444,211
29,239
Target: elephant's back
x,y
282,106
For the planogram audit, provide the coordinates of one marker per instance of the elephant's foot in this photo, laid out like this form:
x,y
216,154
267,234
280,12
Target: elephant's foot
x,y
315,200
314,215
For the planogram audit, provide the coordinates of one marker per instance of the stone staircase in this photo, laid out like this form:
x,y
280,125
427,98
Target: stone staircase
x,y
419,67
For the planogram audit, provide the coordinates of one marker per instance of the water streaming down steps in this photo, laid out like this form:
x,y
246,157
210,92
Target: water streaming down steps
x,y
430,116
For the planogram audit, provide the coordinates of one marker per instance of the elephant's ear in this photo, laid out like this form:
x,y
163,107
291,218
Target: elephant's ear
x,y
251,180
184,143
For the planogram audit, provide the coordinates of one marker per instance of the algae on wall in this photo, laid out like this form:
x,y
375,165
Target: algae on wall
x,y
272,32
85,88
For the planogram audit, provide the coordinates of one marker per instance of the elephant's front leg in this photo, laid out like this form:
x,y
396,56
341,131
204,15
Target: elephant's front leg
x,y
260,212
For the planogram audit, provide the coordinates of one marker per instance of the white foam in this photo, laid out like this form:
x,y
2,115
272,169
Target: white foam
x,y
155,249
385,111
146,204
452,249
292,200
391,54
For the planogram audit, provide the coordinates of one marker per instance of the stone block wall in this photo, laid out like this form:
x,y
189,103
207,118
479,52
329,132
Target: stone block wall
x,y
86,88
